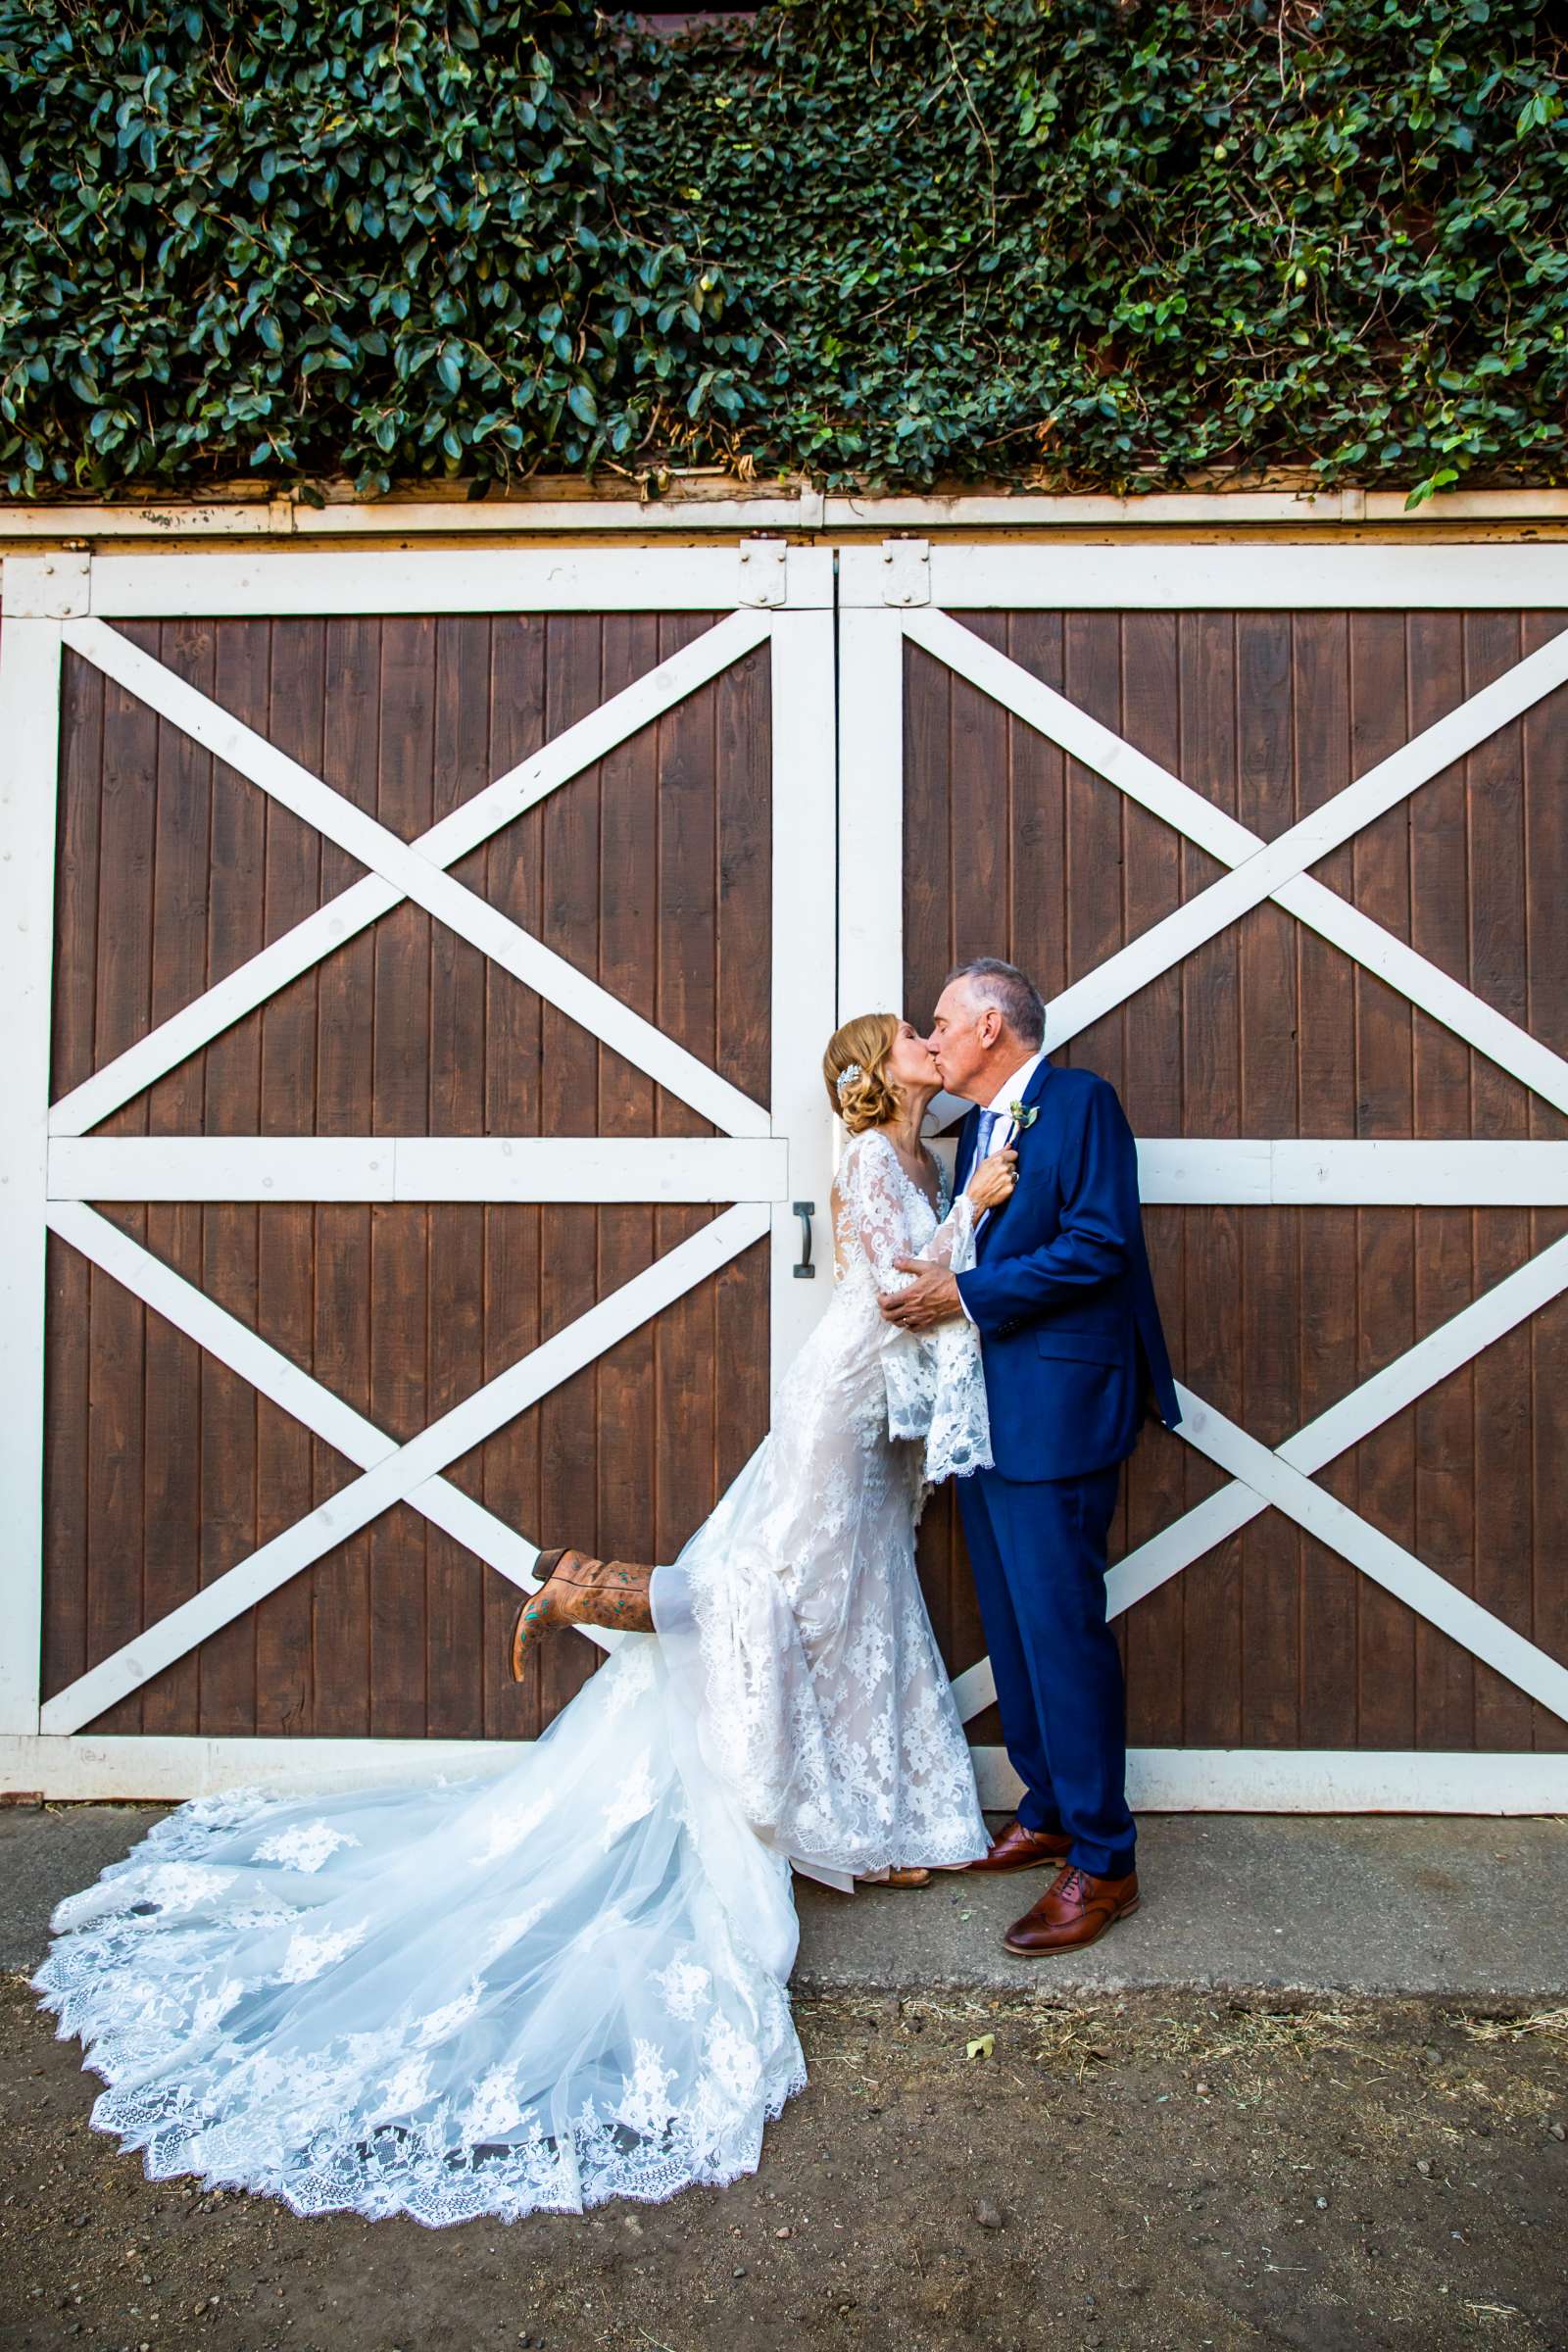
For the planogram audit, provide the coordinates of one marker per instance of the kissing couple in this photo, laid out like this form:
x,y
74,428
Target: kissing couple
x,y
561,1980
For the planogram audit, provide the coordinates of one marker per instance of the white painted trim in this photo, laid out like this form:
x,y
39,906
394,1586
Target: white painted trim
x,y
1229,576
414,876
691,507
146,1768
47,585
870,812
30,732
804,857
402,1473
352,911
1275,868
176,581
1324,1171
418,1167
1266,1780
160,1770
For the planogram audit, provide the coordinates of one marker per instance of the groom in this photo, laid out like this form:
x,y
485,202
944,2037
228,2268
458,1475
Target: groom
x,y
1074,1360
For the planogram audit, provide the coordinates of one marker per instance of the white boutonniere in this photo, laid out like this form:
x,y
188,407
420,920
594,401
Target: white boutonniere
x,y
1023,1114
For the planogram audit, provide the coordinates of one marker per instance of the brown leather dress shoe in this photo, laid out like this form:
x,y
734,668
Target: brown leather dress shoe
x,y
1018,1848
1075,1909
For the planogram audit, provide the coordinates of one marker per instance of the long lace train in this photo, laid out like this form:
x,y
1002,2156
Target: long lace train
x,y
518,1991
563,1979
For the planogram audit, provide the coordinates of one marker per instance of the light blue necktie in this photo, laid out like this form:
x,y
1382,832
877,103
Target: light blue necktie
x,y
988,1128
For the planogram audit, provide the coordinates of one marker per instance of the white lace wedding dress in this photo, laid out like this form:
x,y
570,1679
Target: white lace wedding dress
x,y
563,1979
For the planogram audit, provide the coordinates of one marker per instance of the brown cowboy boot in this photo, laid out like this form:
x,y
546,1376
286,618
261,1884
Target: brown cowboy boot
x,y
575,1588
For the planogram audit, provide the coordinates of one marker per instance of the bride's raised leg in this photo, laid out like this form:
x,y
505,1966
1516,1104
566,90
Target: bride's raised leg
x,y
575,1588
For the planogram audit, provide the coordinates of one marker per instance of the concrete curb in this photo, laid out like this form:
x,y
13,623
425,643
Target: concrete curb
x,y
1470,1909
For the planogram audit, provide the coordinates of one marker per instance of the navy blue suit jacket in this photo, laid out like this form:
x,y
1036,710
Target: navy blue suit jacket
x,y
1061,1294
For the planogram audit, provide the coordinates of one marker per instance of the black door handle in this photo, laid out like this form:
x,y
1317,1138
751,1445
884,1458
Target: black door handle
x,y
804,1271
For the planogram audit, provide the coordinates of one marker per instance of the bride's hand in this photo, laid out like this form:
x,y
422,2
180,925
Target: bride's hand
x,y
993,1180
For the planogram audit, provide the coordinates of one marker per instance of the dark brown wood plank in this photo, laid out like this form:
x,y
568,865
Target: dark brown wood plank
x,y
67,1369
629,966
1548,1495
1202,1614
180,827
1443,1273
928,871
79,816
1271,1550
509,871
1037,926
1498,930
340,1582
345,1028
1331,1588
399,1235
1151,1483
979,813
286,1231
743,910
116,1493
1546,788
1385,1463
569,1068
236,929
744,944
1094,845
458,1657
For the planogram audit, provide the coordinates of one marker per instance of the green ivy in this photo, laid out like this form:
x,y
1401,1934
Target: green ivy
x,y
1068,242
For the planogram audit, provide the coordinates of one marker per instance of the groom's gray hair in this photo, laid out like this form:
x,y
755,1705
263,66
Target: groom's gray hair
x,y
1012,993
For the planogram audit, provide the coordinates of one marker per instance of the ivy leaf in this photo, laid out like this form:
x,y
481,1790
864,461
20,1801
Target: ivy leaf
x,y
583,405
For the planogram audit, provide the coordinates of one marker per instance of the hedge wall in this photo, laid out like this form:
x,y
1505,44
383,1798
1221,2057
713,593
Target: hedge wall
x,y
1067,242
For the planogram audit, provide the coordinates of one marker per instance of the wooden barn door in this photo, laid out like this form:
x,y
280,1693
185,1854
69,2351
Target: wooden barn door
x,y
420,964
1283,833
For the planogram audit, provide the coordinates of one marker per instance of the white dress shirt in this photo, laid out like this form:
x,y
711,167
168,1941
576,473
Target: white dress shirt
x,y
1004,1128
1001,1134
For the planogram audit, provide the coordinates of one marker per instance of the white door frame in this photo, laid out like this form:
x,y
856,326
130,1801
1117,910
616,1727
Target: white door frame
x,y
899,591
761,1161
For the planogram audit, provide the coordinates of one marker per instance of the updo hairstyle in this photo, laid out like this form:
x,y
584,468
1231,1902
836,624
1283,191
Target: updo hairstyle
x,y
865,1099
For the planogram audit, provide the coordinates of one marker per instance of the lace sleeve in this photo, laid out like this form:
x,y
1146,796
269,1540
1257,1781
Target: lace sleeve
x,y
933,1382
870,1211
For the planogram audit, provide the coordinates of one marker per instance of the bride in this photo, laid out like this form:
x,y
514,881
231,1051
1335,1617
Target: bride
x,y
562,1979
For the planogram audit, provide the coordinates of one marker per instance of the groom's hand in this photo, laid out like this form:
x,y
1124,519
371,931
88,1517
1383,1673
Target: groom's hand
x,y
930,1299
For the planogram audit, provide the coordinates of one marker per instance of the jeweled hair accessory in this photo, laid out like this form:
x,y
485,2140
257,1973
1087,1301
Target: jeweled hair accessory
x,y
846,1077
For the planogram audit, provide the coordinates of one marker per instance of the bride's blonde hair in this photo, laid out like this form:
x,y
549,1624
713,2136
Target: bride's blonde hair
x,y
854,1070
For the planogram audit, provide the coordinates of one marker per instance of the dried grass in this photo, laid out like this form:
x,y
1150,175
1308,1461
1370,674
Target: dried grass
x,y
1550,2023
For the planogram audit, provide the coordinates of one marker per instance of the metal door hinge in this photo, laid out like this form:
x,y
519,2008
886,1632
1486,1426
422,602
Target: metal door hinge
x,y
56,586
906,571
764,572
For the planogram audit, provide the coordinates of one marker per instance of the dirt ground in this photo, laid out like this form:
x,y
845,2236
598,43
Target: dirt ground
x,y
1154,2174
